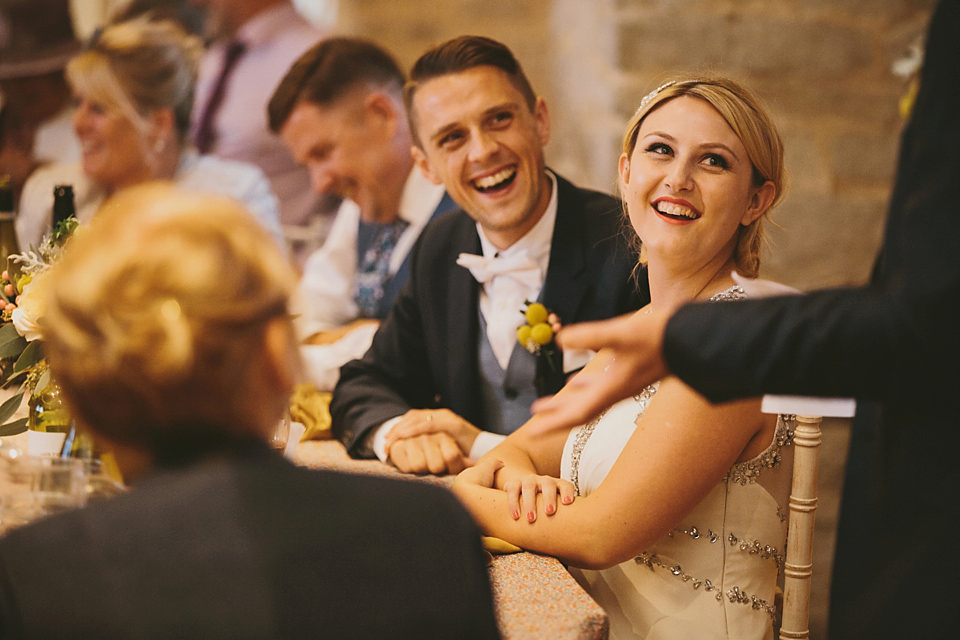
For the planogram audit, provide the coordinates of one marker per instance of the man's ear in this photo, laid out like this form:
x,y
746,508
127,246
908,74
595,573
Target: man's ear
x,y
382,112
162,128
759,203
421,160
542,115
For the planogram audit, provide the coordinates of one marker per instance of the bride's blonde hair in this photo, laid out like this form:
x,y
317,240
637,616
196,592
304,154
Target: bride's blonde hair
x,y
157,313
748,118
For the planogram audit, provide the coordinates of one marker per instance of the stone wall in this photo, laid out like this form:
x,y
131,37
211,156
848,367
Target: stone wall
x,y
823,66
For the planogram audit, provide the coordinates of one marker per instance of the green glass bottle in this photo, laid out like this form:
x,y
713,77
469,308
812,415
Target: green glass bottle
x,y
48,421
103,474
8,235
64,205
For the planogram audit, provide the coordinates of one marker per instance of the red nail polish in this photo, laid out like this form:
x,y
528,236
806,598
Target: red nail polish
x,y
516,515
550,508
531,516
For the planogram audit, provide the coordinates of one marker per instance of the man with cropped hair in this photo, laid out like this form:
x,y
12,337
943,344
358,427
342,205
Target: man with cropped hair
x,y
445,378
340,111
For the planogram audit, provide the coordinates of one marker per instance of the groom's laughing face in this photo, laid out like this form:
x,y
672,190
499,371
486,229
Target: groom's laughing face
x,y
480,138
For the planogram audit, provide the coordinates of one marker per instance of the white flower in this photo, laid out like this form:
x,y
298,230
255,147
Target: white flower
x,y
26,325
29,309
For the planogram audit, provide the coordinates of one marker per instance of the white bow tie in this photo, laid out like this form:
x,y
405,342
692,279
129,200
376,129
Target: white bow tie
x,y
519,266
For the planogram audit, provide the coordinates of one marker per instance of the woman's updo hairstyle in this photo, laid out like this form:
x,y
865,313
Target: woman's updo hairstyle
x,y
156,314
140,65
748,118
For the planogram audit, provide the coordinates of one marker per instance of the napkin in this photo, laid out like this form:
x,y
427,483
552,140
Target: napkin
x,y
311,407
498,546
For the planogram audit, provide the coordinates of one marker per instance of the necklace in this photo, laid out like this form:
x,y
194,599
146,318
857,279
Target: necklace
x,y
649,308
704,287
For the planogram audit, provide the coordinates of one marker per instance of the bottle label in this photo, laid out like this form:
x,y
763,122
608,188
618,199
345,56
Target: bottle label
x,y
44,443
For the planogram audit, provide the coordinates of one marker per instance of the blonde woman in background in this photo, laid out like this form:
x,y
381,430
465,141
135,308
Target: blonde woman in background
x,y
168,328
671,508
133,88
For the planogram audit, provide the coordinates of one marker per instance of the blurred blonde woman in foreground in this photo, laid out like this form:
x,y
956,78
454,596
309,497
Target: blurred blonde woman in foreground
x,y
167,326
672,508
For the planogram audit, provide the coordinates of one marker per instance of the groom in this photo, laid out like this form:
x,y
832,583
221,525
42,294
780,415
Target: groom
x,y
445,379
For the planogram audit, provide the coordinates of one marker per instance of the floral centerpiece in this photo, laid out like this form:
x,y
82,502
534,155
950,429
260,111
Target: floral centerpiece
x,y
22,360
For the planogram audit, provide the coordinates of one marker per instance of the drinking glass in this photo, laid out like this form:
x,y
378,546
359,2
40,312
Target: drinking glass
x,y
280,436
33,486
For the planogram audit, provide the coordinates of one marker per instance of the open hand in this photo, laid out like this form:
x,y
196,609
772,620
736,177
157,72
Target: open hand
x,y
630,356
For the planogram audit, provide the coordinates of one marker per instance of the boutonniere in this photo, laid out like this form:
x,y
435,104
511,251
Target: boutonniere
x,y
536,333
536,336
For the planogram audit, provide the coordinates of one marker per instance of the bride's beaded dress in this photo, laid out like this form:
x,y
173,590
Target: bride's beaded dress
x,y
715,574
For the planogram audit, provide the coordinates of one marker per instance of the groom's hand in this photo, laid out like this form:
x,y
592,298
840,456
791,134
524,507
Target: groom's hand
x,y
435,453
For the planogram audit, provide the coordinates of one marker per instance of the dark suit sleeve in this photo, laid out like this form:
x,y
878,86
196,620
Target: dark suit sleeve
x,y
395,373
896,338
368,392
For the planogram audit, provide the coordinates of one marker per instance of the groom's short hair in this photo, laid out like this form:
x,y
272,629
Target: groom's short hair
x,y
461,54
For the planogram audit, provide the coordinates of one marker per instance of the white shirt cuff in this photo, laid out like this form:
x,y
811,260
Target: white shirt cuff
x,y
485,442
576,359
379,437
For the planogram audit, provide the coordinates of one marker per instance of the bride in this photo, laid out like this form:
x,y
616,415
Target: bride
x,y
670,511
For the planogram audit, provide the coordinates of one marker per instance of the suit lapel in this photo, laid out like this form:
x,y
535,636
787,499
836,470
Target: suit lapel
x,y
446,204
463,322
567,283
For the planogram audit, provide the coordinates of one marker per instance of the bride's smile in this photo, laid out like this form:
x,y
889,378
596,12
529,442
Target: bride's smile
x,y
689,184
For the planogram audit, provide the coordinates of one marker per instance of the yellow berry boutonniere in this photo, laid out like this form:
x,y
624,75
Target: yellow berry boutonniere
x,y
536,333
536,336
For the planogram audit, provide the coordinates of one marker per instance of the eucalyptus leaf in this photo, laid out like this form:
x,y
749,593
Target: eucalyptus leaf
x,y
12,347
43,380
30,356
8,332
12,378
13,428
9,407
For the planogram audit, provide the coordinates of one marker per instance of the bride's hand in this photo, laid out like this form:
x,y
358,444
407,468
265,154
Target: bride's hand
x,y
482,474
522,494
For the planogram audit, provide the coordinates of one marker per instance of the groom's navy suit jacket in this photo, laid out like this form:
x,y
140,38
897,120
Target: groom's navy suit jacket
x,y
425,354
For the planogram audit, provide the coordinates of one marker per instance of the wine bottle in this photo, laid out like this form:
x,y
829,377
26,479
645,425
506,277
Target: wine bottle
x,y
8,235
64,205
48,420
